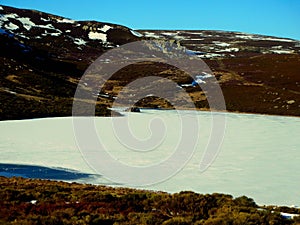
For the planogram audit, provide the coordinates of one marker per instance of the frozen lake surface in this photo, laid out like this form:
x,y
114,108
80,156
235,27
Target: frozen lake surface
x,y
259,157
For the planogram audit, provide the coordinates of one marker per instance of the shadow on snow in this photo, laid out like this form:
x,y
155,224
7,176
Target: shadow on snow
x,y
41,172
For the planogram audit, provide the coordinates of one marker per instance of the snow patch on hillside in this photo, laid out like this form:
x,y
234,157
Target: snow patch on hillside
x,y
200,79
151,35
261,38
283,51
222,44
211,55
11,15
11,26
174,35
27,23
51,33
46,20
229,50
23,36
48,26
105,28
169,33
178,37
97,36
196,39
65,21
196,33
278,39
135,33
79,41
55,34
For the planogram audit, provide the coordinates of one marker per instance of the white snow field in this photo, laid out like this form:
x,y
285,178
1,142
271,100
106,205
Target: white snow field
x,y
259,157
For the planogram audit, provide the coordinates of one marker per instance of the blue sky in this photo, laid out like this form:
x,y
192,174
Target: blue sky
x,y
277,17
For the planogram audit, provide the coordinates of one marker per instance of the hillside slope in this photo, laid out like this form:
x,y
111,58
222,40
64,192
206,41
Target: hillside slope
x,y
43,56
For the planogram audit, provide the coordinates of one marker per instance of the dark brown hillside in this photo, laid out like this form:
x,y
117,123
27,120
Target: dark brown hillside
x,y
43,56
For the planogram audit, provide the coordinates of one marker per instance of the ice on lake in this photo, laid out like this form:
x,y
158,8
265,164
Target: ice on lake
x,y
259,156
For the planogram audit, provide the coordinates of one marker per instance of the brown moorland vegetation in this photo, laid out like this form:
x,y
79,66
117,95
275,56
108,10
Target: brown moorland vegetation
x,y
40,68
27,201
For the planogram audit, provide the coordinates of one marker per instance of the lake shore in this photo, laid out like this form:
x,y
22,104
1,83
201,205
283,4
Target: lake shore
x,y
30,201
251,161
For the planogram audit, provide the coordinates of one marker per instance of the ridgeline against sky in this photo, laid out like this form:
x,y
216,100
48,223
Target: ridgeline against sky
x,y
277,18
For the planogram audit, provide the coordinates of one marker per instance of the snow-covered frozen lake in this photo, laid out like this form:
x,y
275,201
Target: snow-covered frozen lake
x,y
259,157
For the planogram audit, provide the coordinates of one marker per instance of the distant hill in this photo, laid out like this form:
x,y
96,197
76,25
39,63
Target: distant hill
x,y
43,56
